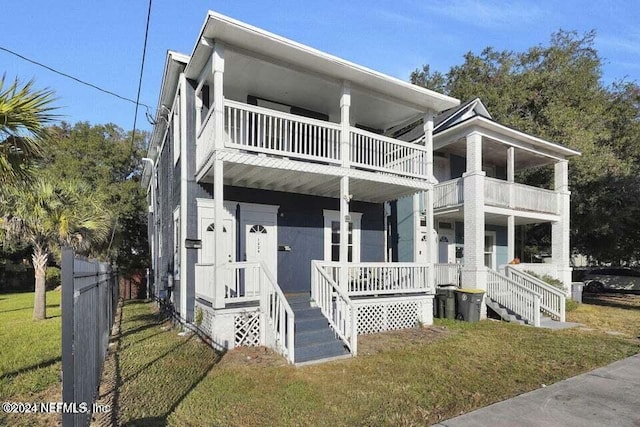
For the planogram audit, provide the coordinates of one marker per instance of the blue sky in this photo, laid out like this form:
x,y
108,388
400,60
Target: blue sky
x,y
101,42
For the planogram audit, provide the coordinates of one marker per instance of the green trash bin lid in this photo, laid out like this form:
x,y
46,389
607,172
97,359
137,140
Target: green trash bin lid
x,y
470,291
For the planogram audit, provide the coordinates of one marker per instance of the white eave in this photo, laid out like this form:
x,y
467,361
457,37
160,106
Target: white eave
x,y
490,125
240,34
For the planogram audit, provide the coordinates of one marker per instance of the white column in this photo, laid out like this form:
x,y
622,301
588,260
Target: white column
x,y
344,230
219,249
431,244
511,238
560,244
419,250
511,175
345,124
218,94
474,272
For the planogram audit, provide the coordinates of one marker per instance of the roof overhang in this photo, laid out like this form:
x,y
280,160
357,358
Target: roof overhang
x,y
502,135
173,66
245,36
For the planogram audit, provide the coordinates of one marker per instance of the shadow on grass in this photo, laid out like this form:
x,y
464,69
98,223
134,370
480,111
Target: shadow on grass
x,y
27,308
594,299
34,367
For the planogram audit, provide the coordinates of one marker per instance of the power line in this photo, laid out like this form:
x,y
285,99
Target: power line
x,y
124,98
144,54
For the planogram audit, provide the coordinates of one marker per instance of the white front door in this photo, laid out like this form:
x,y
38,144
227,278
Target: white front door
x,y
446,252
260,239
206,227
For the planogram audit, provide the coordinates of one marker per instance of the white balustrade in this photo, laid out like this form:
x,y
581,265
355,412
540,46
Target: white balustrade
x,y
335,305
262,130
496,192
535,199
242,281
380,153
373,278
447,274
552,300
514,296
204,278
448,193
279,314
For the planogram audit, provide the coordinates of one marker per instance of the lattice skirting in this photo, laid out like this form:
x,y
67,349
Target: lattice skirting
x,y
385,316
247,329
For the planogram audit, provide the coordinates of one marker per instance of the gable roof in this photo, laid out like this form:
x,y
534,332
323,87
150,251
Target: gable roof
x,y
450,117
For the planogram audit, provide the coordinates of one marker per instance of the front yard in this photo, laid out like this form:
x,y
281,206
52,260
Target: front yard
x,y
413,377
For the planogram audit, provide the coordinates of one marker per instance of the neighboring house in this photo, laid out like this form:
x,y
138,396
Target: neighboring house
x,y
276,168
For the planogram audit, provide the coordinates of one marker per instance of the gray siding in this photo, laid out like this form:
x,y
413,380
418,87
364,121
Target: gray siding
x,y
405,229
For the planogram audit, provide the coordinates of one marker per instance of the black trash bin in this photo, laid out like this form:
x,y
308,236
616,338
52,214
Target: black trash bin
x,y
469,303
446,302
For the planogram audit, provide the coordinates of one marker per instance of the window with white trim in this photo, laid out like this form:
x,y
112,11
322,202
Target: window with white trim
x,y
332,236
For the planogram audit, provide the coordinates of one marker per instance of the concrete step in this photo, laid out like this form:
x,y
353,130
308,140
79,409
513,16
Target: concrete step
x,y
504,313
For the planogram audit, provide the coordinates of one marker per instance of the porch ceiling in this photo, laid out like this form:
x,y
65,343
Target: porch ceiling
x,y
457,215
248,73
495,154
314,179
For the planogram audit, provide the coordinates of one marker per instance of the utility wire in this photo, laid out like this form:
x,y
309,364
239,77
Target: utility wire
x,y
144,54
124,98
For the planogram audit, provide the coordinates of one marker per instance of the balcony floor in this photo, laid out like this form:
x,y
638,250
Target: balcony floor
x,y
304,177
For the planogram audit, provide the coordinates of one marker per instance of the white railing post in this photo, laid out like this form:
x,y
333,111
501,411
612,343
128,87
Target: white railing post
x,y
354,329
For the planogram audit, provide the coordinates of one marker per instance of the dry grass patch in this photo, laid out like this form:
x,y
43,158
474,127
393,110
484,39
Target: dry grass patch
x,y
609,313
393,340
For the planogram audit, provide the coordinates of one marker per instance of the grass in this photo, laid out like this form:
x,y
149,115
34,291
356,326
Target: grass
x,y
30,354
411,377
438,373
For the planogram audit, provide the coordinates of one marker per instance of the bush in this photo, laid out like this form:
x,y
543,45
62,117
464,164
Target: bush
x,y
548,280
571,305
52,277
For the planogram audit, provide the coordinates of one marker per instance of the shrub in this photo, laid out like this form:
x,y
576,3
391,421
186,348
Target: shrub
x,y
198,317
52,277
548,280
571,305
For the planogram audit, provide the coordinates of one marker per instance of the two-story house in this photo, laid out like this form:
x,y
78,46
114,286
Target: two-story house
x,y
272,213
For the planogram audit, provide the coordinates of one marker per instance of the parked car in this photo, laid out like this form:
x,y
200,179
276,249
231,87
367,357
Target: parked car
x,y
612,279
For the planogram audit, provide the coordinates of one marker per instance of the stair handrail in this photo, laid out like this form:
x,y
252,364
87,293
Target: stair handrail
x,y
279,314
552,300
518,298
344,326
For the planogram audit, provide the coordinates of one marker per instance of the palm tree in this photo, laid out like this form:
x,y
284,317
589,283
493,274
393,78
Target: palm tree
x,y
47,215
24,115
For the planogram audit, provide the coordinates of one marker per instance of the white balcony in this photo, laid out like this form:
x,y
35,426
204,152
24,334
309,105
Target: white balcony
x,y
259,130
499,193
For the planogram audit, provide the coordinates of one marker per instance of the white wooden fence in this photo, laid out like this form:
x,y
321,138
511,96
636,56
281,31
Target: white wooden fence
x,y
552,300
514,296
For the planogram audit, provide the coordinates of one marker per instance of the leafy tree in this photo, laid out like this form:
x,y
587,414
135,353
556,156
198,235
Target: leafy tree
x,y
556,92
50,214
103,156
24,115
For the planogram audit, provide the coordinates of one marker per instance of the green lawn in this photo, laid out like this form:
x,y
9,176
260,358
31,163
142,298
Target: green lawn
x,y
439,373
30,355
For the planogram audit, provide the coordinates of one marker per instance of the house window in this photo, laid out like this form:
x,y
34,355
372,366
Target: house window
x,y
490,249
332,236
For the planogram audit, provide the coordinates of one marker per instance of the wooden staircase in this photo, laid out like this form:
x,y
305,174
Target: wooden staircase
x,y
314,340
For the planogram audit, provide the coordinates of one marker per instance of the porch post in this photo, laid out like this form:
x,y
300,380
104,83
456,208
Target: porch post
x,y
511,175
218,176
560,245
218,94
345,197
219,249
474,272
431,244
345,124
511,238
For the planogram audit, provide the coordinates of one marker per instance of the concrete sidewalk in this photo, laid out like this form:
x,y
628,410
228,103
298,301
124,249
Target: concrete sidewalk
x,y
608,396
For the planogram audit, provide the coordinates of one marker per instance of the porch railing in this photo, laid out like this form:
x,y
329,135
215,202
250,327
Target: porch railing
x,y
279,314
262,130
336,306
514,296
241,282
380,153
498,193
381,278
447,274
448,193
552,300
204,280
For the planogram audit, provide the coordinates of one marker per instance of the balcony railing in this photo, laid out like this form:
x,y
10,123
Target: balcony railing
x,y
499,193
260,130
